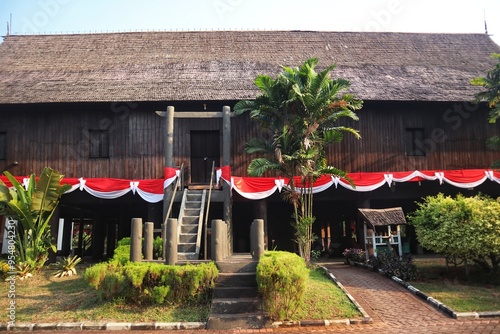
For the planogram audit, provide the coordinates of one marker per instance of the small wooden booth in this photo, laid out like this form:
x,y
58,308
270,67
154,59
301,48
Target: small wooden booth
x,y
382,229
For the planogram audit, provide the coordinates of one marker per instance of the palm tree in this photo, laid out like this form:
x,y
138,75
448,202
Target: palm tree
x,y
491,94
299,110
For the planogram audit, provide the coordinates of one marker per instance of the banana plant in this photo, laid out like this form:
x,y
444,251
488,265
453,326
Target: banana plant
x,y
33,208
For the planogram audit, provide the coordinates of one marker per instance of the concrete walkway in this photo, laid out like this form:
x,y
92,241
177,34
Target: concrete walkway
x,y
393,310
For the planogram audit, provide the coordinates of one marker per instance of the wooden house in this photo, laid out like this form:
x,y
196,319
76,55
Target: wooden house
x,y
88,106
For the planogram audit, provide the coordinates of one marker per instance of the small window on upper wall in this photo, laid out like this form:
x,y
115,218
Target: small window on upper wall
x,y
99,143
3,145
414,142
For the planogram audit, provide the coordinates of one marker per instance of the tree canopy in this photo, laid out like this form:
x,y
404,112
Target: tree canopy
x,y
298,113
467,228
491,92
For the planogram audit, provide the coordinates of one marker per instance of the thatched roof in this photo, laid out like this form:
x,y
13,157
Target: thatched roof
x,y
383,217
221,65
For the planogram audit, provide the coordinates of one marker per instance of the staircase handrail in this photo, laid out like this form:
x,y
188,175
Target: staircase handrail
x,y
208,209
169,211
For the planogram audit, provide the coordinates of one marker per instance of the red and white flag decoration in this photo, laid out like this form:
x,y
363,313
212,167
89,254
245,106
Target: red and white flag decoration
x,y
152,190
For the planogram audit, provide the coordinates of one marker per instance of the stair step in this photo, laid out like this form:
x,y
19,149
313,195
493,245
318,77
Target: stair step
x,y
237,321
186,256
237,266
236,279
187,220
235,292
186,248
236,305
189,228
192,212
185,238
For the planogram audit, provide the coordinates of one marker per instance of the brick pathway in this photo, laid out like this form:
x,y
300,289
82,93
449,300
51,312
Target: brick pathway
x,y
394,310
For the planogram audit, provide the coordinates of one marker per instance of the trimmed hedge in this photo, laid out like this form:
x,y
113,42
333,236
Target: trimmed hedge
x,y
153,283
281,279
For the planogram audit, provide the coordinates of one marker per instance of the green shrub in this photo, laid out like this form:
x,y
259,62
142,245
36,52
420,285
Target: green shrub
x,y
153,283
158,247
464,228
281,278
114,284
122,251
4,269
123,242
159,294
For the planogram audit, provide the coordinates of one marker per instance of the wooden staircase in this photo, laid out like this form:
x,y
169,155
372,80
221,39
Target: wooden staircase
x,y
190,224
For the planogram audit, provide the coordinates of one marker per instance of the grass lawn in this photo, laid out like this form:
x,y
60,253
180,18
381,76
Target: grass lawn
x,y
324,300
477,293
44,298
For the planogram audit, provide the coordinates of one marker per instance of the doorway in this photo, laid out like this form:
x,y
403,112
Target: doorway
x,y
205,149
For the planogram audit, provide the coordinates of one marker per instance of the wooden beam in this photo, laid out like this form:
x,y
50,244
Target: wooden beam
x,y
195,114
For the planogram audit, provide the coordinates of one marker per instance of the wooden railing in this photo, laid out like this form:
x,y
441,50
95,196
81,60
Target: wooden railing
x,y
208,210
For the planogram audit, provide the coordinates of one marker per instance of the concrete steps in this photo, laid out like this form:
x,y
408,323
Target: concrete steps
x,y
236,303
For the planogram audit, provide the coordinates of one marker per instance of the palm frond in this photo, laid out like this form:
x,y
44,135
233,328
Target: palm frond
x,y
255,145
344,129
244,106
259,166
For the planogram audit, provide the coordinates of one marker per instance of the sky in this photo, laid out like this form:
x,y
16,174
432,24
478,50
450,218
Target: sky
x,y
84,16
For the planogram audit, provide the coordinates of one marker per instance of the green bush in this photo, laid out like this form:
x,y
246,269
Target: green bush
x,y
123,242
122,251
465,228
281,278
153,283
158,247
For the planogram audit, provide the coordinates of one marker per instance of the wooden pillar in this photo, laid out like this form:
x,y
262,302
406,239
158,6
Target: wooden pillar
x,y
363,202
111,236
136,240
218,240
171,242
261,213
54,230
169,137
148,240
257,239
98,237
169,157
226,160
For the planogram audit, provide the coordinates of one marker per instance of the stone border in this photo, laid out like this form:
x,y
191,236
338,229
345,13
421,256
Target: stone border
x,y
432,301
364,320
67,326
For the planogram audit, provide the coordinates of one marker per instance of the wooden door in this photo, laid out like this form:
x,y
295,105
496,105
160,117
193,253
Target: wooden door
x,y
205,149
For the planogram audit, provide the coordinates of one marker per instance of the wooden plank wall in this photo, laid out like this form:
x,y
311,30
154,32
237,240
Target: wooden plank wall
x,y
57,136
454,138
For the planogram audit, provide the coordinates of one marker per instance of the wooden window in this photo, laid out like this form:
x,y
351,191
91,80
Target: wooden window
x,y
99,143
415,142
3,145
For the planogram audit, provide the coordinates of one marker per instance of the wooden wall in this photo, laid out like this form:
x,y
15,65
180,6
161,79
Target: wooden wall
x,y
454,138
56,135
